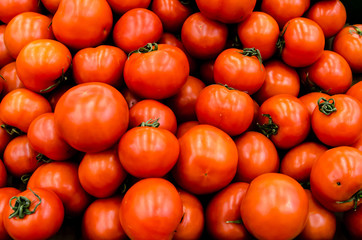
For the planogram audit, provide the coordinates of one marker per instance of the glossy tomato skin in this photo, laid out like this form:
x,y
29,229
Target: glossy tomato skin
x,y
151,209
49,211
122,7
24,28
336,176
224,207
356,91
136,28
103,63
352,221
310,100
5,56
101,220
5,194
51,5
11,77
157,74
302,32
82,23
333,129
184,127
77,116
203,168
272,202
11,8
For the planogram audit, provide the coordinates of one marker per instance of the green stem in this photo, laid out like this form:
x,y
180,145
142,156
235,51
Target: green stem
x,y
12,131
269,128
2,77
281,41
42,158
355,198
21,206
236,221
61,79
326,106
356,30
252,52
151,123
25,178
149,47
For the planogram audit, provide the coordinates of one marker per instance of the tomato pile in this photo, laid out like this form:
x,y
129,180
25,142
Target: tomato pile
x,y
170,119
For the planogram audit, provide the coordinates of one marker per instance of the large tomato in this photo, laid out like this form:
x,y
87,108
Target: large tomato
x,y
5,56
5,194
91,117
11,8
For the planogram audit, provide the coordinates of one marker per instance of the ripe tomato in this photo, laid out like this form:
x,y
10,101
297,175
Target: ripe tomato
x,y
202,37
184,127
53,96
310,100
4,138
203,168
5,56
260,31
101,64
5,194
82,23
301,42
348,43
51,5
156,71
192,222
352,221
77,116
356,91
329,120
285,120
10,77
136,28
151,209
336,178
3,175
25,28
257,155
330,16
101,220
62,178
358,144
223,220
228,109
38,206
10,8
272,202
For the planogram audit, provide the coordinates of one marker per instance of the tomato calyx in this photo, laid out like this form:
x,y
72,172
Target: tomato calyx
x,y
356,30
240,221
149,47
25,178
326,106
185,2
355,198
150,123
12,131
269,128
249,52
42,158
58,81
21,206
281,42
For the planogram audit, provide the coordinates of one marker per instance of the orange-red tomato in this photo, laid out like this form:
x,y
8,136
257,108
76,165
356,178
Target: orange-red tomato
x,y
184,127
123,6
5,56
51,5
356,91
5,194
11,8
10,77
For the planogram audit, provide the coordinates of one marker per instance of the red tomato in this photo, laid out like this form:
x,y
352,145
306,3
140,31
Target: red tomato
x,y
329,120
5,194
285,120
260,31
298,161
203,168
43,206
358,144
156,71
5,56
4,138
356,91
11,8
310,100
301,42
352,221
223,220
51,5
3,175
77,116
257,155
330,16
62,178
272,202
82,23
101,64
184,127
336,178
123,6
192,222
136,28
321,223
101,220
25,28
202,37
348,43
151,209
10,77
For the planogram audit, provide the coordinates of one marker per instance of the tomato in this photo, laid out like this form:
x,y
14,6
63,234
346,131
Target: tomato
x,y
11,8
77,116
151,209
207,72
310,100
5,194
272,202
82,23
4,138
156,71
356,91
101,64
122,7
300,32
358,144
348,43
131,98
329,120
53,96
184,127
285,120
101,220
62,178
148,151
203,168
136,28
330,16
147,109
43,206
172,13
298,161
10,77
51,5
192,222
284,10
257,155
336,178
202,37
223,220
352,221
280,78
260,31
321,223
5,56
25,28
3,175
